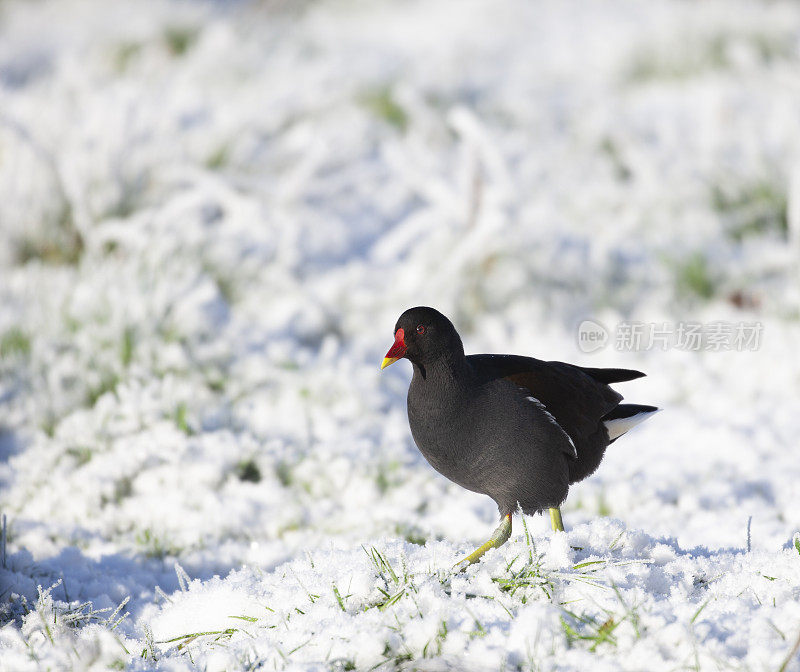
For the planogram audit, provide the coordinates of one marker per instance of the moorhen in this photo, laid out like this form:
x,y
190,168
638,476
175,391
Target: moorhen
x,y
518,429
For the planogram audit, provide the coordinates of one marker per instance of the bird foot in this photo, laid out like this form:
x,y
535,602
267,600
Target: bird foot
x,y
499,537
555,519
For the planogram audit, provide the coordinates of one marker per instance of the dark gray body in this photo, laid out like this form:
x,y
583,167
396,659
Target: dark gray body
x,y
489,437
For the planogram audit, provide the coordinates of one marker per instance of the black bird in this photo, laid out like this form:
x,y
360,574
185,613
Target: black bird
x,y
518,429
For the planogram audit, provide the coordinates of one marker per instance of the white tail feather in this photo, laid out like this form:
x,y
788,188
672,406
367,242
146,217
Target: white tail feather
x,y
619,426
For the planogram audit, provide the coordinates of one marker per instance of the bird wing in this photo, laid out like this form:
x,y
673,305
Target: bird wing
x,y
576,398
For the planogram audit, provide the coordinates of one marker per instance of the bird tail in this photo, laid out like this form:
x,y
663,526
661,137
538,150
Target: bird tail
x,y
625,417
609,376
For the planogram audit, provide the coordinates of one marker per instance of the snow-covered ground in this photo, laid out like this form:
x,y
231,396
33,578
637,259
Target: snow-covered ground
x,y
211,216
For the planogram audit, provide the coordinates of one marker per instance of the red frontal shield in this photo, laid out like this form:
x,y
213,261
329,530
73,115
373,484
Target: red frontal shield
x,y
396,351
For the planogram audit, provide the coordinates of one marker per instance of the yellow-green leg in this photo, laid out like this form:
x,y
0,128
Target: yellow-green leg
x,y
555,519
499,537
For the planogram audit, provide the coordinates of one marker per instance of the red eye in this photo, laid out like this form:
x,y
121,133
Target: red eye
x,y
421,329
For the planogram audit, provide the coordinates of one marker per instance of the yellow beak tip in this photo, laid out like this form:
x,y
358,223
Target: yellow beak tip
x,y
387,361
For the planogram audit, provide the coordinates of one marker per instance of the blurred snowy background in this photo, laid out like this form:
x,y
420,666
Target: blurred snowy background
x,y
211,215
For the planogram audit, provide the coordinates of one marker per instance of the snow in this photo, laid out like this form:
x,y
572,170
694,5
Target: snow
x,y
211,215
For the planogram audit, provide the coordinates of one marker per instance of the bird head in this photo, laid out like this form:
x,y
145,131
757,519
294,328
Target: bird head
x,y
423,335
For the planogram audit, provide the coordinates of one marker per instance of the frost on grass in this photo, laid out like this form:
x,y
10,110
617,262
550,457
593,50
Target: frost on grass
x,y
210,218
576,600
